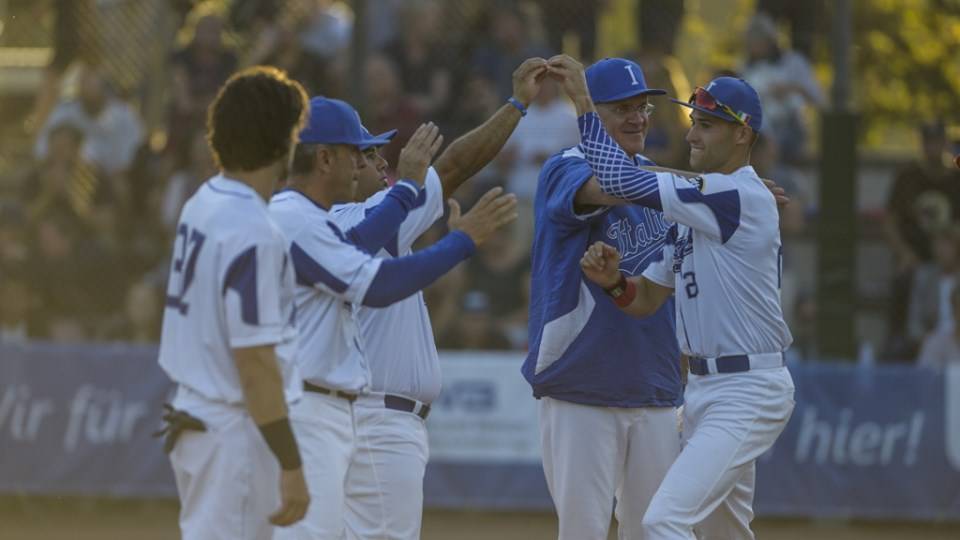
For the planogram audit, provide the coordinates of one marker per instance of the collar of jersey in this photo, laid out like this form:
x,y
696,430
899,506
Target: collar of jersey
x,y
746,169
224,184
304,196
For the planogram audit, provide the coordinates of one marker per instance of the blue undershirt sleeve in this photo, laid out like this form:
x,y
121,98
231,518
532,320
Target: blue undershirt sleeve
x,y
399,278
371,234
618,175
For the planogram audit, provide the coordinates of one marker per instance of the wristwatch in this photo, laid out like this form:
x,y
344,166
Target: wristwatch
x,y
619,289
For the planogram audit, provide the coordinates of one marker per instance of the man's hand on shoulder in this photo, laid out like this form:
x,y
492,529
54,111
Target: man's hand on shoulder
x,y
778,192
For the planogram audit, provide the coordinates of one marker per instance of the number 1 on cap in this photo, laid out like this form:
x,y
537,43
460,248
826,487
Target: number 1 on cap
x,y
632,76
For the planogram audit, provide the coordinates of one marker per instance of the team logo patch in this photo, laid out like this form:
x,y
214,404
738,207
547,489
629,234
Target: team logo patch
x,y
699,181
636,237
681,248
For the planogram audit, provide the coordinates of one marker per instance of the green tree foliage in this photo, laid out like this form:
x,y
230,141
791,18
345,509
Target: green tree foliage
x,y
907,60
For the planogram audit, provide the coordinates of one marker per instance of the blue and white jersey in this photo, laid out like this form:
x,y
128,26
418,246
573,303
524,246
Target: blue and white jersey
x,y
583,348
231,286
331,274
727,252
726,266
398,339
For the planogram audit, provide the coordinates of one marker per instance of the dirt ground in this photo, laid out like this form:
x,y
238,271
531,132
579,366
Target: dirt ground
x,y
84,519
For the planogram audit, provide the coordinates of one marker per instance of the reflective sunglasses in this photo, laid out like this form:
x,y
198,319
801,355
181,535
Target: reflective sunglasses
x,y
701,98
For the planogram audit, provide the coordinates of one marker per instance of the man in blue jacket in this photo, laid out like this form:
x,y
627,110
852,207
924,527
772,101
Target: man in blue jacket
x,y
609,385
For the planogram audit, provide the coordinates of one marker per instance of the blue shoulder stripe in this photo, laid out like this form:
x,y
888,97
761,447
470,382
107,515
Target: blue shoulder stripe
x,y
242,277
725,206
309,272
393,245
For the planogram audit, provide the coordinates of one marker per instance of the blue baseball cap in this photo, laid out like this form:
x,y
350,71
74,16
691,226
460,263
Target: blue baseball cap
x,y
735,94
333,121
613,79
382,139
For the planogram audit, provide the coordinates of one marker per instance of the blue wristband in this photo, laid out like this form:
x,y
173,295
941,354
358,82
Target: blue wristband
x,y
409,184
516,103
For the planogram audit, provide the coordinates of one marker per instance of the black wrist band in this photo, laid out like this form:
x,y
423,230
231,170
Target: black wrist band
x,y
619,288
279,437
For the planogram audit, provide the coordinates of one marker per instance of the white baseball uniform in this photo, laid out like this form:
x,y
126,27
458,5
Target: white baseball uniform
x,y
725,271
332,274
385,480
231,286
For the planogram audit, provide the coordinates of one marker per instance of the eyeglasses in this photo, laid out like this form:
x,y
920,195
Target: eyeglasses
x,y
623,110
701,98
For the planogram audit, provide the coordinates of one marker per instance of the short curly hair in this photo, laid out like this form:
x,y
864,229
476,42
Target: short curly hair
x,y
253,120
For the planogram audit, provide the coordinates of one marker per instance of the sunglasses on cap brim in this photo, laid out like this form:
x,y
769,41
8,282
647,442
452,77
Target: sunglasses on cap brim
x,y
704,100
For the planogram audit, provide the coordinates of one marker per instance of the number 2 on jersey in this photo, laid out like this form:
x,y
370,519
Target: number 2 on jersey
x,y
189,242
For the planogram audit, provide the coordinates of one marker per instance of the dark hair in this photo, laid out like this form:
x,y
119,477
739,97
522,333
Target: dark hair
x,y
252,121
933,131
67,128
304,159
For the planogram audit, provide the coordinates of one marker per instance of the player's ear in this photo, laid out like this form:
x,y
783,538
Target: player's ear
x,y
324,156
744,135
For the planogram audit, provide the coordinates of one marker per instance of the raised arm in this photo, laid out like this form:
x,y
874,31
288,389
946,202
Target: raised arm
x,y
616,172
474,150
591,194
382,224
637,295
617,175
398,278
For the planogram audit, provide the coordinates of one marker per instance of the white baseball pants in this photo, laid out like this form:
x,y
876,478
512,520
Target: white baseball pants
x,y
729,421
227,478
324,427
385,480
592,455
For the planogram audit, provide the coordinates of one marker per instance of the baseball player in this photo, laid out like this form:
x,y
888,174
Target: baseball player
x,y
334,272
725,270
228,331
385,480
608,384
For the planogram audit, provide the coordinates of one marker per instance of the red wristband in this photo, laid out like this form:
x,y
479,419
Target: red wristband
x,y
629,293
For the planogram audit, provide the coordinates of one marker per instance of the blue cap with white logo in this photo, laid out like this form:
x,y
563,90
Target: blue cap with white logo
x,y
730,99
335,122
613,79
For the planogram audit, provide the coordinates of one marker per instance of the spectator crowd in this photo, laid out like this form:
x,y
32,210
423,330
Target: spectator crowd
x,y
85,240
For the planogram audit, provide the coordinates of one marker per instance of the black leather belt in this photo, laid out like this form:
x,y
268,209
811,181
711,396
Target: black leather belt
x,y
725,364
310,387
736,363
398,403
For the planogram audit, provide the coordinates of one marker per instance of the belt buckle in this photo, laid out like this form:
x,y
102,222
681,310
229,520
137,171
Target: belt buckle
x,y
400,403
424,410
698,365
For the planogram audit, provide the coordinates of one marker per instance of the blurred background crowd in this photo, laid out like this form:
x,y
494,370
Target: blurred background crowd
x,y
102,140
